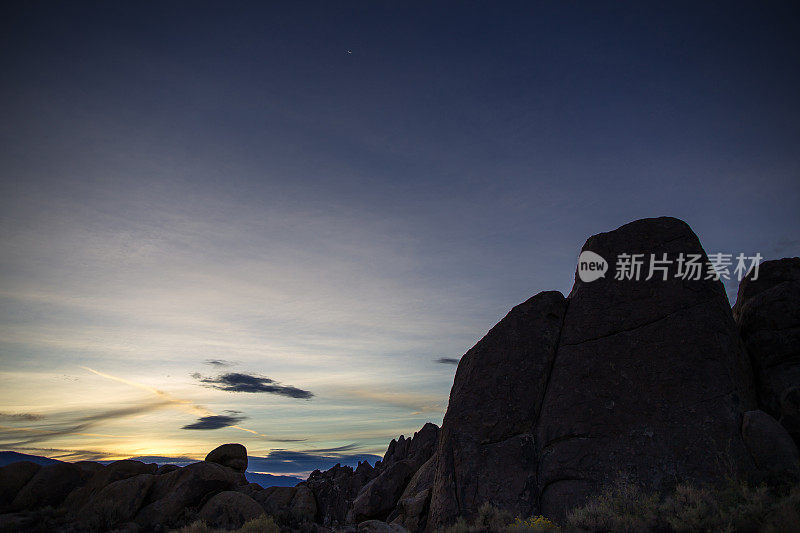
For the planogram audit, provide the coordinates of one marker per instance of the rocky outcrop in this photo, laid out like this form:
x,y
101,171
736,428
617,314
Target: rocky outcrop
x,y
647,378
404,457
13,477
347,497
185,488
650,377
116,471
767,311
131,495
231,455
229,510
487,450
49,486
773,450
116,503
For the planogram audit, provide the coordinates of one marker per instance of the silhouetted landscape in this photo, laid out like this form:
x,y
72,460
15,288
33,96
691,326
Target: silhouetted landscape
x,y
655,389
399,267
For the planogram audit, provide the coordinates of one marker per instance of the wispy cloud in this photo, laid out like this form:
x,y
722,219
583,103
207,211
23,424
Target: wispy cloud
x,y
70,455
416,403
448,361
205,414
168,398
239,382
68,424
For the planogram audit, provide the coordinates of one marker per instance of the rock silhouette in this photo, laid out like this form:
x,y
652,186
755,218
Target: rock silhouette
x,y
767,311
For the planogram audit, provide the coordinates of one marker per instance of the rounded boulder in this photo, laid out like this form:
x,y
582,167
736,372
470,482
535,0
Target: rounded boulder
x,y
231,455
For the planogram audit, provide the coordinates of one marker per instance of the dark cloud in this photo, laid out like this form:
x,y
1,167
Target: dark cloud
x,y
20,417
218,362
448,361
239,382
215,422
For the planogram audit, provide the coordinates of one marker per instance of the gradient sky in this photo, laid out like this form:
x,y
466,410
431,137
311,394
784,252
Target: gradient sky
x,y
217,225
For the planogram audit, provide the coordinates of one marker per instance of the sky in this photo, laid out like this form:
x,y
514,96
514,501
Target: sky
x,y
281,224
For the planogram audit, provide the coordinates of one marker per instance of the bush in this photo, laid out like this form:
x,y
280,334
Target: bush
x,y
262,524
534,523
489,518
492,519
733,506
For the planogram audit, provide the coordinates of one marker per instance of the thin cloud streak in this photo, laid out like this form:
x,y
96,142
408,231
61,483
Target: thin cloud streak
x,y
182,404
78,426
416,403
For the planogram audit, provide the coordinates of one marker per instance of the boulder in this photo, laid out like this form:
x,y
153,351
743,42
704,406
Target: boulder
x,y
304,506
104,476
250,488
275,500
116,503
229,510
166,469
413,505
486,449
767,312
650,378
187,487
13,477
230,455
89,466
773,450
49,486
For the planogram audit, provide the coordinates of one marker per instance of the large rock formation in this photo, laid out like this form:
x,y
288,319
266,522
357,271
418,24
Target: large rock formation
x,y
643,378
650,377
487,447
767,311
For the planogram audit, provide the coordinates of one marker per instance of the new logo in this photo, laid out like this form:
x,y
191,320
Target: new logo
x,y
591,266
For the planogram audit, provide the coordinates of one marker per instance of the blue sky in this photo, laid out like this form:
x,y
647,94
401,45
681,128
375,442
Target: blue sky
x,y
189,182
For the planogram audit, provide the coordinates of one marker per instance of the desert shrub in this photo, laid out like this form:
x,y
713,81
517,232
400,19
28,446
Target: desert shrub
x,y
534,523
262,524
198,526
488,518
620,507
492,519
732,506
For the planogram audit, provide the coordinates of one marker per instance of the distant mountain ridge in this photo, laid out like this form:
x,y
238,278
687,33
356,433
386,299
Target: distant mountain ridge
x,y
6,458
263,479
